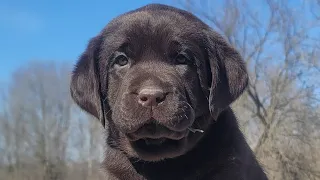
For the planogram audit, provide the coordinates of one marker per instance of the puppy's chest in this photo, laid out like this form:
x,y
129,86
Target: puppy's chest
x,y
195,176
197,172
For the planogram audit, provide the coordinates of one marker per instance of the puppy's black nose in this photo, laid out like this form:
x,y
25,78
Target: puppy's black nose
x,y
151,97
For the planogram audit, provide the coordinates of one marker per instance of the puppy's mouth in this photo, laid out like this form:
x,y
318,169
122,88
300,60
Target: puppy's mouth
x,y
156,133
156,146
149,141
156,141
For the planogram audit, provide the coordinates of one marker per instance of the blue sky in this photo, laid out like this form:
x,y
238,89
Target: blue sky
x,y
53,30
58,30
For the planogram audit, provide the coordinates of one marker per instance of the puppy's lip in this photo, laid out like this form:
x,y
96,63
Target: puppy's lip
x,y
172,135
156,131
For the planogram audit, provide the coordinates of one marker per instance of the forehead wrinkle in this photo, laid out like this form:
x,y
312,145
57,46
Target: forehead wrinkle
x,y
151,33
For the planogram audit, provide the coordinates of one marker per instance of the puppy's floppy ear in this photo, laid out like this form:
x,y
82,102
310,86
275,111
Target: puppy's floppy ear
x,y
85,80
229,77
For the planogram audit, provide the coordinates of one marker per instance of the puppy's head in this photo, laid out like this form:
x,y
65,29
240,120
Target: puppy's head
x,y
154,73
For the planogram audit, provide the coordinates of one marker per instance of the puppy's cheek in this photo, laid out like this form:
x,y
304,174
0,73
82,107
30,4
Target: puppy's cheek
x,y
198,97
113,93
202,123
177,115
126,147
119,118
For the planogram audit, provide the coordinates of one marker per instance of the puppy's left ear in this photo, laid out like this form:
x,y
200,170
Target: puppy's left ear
x,y
85,81
229,77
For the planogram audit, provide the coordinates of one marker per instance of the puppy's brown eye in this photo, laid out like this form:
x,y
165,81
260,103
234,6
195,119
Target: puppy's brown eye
x,y
121,60
181,59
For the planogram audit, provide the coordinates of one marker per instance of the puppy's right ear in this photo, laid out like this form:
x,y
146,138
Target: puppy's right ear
x,y
85,80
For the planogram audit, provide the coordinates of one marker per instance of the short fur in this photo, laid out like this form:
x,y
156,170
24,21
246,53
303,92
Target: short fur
x,y
171,50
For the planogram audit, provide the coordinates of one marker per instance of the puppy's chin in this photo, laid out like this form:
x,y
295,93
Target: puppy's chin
x,y
160,149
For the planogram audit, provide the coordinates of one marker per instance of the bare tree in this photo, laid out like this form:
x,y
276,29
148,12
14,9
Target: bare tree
x,y
280,43
36,120
44,135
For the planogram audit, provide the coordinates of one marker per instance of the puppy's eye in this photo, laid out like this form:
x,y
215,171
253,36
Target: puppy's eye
x,y
121,60
181,59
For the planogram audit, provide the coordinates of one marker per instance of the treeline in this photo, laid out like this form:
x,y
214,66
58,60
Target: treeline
x,y
44,135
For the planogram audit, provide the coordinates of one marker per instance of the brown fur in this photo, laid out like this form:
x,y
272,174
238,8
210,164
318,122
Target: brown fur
x,y
198,76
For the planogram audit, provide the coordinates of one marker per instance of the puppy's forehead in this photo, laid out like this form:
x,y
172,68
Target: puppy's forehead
x,y
142,29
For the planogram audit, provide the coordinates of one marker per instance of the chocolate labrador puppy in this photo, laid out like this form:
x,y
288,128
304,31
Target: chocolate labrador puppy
x,y
161,82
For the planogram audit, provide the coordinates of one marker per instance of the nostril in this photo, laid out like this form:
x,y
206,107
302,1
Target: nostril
x,y
144,98
160,99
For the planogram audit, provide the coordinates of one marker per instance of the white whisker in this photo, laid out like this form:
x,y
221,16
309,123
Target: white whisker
x,y
195,130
